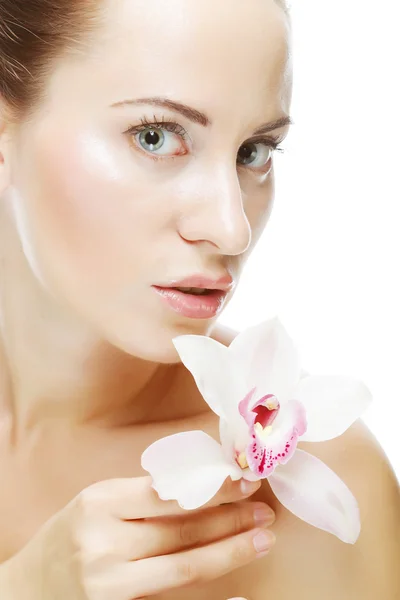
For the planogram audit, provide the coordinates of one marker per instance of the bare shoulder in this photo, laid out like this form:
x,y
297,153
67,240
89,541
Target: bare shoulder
x,y
359,460
313,564
319,563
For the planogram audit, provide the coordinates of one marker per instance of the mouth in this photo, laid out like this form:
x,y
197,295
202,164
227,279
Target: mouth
x,y
195,303
201,284
197,291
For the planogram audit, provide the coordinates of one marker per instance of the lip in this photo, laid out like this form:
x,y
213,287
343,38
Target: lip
x,y
191,306
224,283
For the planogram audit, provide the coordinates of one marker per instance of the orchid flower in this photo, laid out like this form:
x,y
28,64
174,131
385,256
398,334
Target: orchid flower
x,y
266,405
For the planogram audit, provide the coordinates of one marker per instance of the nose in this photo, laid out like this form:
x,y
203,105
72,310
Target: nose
x,y
214,213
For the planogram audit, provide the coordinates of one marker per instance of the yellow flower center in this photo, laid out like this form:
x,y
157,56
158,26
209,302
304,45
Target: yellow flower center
x,y
272,403
242,461
262,432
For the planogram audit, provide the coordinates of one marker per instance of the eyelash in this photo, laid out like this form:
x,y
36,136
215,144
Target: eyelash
x,y
170,126
173,127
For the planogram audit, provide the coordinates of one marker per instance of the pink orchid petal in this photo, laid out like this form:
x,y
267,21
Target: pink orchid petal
x,y
245,405
189,467
217,373
291,415
263,455
332,405
314,493
269,359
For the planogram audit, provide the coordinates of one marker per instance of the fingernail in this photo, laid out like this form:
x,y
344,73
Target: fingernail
x,y
264,541
264,515
248,487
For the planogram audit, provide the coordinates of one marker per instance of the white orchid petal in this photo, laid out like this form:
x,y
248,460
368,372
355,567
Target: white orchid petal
x,y
189,467
233,435
216,372
332,405
314,493
235,443
304,373
268,358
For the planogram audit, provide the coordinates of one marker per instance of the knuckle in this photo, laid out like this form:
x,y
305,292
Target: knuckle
x,y
91,503
187,573
239,519
188,533
87,527
86,501
96,550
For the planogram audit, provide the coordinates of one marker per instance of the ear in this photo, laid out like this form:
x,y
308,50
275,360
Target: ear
x,y
5,149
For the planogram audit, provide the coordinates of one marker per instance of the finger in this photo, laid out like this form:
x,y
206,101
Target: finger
x,y
134,498
232,491
165,535
161,573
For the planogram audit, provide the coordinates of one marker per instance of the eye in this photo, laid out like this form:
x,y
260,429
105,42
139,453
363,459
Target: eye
x,y
163,139
151,140
255,154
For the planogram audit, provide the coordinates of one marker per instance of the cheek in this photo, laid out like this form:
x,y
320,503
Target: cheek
x,y
87,214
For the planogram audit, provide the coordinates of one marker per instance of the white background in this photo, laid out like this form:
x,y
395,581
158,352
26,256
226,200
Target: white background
x,y
329,261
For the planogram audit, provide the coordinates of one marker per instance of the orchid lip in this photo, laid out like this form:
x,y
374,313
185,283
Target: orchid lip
x,y
267,410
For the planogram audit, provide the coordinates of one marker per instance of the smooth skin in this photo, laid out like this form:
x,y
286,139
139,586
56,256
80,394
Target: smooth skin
x,y
118,540
89,377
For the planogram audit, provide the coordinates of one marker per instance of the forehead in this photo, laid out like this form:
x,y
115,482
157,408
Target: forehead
x,y
204,50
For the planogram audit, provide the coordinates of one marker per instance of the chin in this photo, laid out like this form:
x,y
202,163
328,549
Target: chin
x,y
155,350
151,340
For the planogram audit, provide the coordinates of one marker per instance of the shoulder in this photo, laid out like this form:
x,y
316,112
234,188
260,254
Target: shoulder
x,y
359,460
318,562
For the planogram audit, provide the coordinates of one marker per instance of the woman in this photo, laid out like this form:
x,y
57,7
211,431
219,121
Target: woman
x,y
136,151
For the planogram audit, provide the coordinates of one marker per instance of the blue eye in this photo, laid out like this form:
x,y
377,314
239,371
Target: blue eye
x,y
160,142
152,138
166,139
256,155
160,138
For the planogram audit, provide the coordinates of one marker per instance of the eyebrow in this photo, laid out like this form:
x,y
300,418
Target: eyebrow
x,y
196,116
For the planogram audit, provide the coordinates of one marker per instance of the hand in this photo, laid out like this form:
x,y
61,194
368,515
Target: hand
x,y
118,541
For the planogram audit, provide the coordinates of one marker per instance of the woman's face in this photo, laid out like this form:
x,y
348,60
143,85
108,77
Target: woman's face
x,y
107,206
